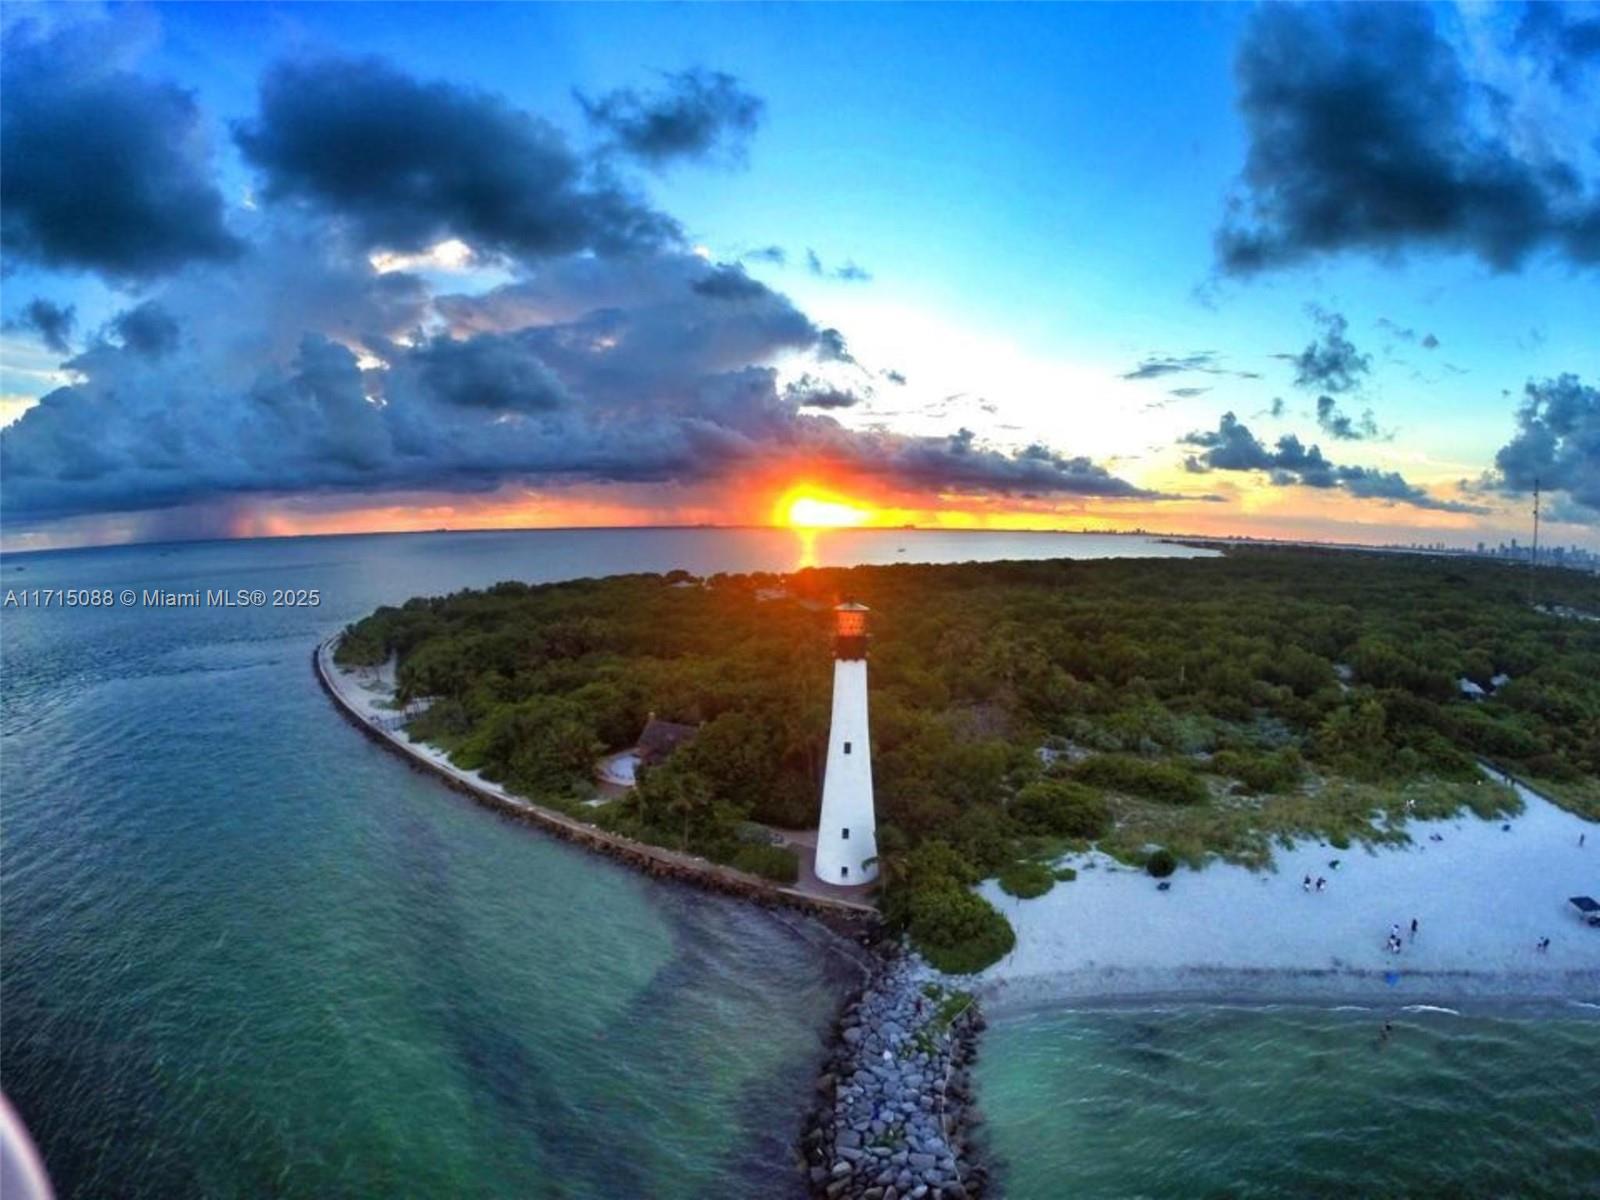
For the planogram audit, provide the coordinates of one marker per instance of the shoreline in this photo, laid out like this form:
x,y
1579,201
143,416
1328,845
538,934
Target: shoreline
x,y
848,917
1482,994
1486,895
927,1146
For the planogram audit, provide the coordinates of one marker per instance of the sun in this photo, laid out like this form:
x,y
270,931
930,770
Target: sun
x,y
809,508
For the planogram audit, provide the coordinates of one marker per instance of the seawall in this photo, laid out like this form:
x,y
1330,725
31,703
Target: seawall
x,y
846,916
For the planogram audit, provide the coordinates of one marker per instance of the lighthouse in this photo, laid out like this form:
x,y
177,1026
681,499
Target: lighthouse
x,y
847,837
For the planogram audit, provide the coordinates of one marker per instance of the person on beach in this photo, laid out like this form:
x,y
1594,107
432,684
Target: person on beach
x,y
1581,838
1321,883
1543,945
1413,929
1306,885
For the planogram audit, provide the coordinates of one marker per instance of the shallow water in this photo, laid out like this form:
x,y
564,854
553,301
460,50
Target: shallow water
x,y
1198,1100
248,953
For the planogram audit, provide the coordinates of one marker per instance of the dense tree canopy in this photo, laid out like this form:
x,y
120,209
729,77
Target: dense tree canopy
x,y
1017,707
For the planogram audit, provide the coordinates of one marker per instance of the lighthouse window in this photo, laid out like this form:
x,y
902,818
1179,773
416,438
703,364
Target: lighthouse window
x,y
844,872
847,747
847,835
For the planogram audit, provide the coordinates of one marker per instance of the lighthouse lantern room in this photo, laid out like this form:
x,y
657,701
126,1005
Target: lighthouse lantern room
x,y
847,835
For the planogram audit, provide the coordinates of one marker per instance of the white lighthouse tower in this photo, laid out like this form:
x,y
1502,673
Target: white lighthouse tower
x,y
847,837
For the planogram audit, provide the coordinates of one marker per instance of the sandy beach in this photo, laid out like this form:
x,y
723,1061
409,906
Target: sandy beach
x,y
1483,897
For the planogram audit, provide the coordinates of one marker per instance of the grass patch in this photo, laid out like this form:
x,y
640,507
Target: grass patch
x,y
1342,812
1026,880
777,863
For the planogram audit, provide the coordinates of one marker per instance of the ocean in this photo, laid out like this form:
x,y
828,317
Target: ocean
x,y
246,952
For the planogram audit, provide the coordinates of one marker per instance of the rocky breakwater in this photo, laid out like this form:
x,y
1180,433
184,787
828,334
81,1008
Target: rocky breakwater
x,y
895,1103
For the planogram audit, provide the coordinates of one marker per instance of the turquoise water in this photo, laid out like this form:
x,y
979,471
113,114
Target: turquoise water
x,y
248,953
1200,1101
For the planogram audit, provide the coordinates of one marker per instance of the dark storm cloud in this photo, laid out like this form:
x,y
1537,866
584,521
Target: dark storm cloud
x,y
100,169
147,329
831,347
1567,46
729,283
1331,363
502,372
811,392
1233,447
1363,136
1336,423
961,462
51,321
1557,445
596,369
295,367
696,113
405,164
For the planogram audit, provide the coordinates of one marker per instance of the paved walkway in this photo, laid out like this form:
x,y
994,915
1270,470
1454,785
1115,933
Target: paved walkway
x,y
804,843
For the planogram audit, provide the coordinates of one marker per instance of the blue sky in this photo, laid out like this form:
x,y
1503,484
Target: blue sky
x,y
1036,193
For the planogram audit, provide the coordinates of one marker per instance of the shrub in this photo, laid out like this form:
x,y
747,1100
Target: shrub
x,y
1066,874
958,931
1026,880
1161,863
1166,782
777,863
1061,808
1279,771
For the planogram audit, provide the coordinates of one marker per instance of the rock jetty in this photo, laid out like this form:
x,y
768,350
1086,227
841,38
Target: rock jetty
x,y
895,1105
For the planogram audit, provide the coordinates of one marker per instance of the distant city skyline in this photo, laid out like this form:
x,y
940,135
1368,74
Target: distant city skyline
x,y
1296,272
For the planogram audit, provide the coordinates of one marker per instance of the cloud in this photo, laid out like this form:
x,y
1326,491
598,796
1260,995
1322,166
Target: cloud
x,y
1566,46
696,113
1331,363
893,376
1233,447
771,254
729,283
147,329
1427,341
588,369
1365,134
101,169
1188,393
404,164
848,272
811,392
1337,424
499,372
1157,366
1557,445
51,321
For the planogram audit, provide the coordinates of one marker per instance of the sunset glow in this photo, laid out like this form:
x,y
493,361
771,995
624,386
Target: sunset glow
x,y
810,509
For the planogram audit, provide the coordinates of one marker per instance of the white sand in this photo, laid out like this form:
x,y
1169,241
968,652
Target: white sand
x,y
1483,898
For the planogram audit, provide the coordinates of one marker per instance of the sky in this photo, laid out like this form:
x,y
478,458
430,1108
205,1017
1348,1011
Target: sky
x,y
1288,271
